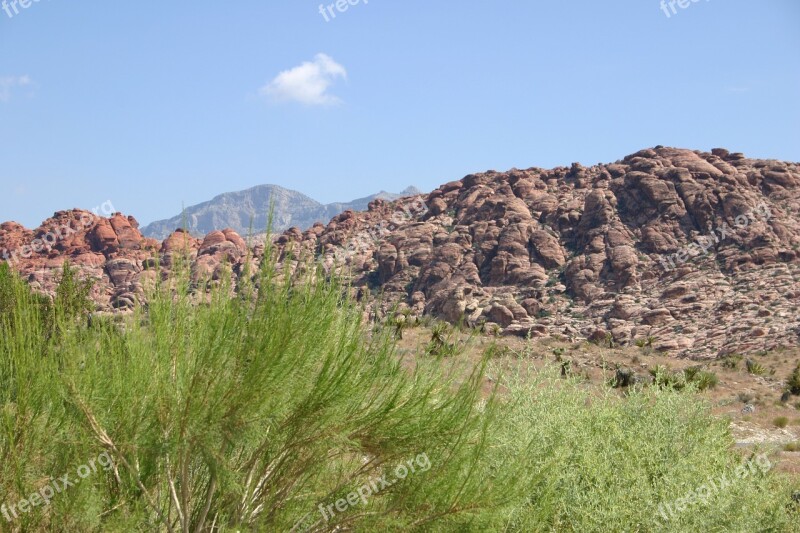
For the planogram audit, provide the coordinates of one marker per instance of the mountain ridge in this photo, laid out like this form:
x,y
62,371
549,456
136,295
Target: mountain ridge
x,y
247,211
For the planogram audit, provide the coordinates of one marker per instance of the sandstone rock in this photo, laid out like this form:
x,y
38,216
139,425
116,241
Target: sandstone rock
x,y
562,252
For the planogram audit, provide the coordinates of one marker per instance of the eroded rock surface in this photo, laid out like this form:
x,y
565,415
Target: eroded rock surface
x,y
700,251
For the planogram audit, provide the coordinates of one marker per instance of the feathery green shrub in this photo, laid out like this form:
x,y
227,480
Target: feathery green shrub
x,y
254,413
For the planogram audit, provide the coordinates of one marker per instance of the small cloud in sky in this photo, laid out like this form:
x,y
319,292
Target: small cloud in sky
x,y
20,190
9,83
307,83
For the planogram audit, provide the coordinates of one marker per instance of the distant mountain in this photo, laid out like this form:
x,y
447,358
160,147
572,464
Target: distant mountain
x,y
248,211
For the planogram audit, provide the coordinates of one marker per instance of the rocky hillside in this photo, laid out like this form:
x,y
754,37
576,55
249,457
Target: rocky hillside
x,y
237,210
697,253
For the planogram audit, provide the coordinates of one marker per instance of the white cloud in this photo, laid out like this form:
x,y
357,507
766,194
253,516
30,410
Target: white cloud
x,y
307,83
9,83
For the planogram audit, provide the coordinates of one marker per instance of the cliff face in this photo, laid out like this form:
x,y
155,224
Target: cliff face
x,y
698,250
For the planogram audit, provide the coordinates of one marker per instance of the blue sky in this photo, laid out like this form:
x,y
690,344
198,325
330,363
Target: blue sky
x,y
157,104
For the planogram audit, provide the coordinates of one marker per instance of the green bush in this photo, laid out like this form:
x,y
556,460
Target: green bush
x,y
249,413
72,294
703,379
755,368
731,361
663,377
794,381
242,414
442,343
608,462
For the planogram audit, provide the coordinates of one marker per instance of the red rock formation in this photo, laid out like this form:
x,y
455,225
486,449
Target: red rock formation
x,y
699,250
578,251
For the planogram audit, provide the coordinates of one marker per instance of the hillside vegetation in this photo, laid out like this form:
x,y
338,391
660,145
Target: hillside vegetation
x,y
280,410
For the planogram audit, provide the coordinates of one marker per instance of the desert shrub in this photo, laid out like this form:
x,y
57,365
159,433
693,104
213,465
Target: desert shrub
x,y
745,397
706,380
794,381
626,457
703,379
249,413
607,341
236,414
623,377
663,377
780,422
755,368
646,343
731,361
72,294
20,306
442,343
400,322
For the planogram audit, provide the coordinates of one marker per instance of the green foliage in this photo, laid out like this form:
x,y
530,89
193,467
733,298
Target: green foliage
x,y
706,380
663,377
249,413
18,303
625,457
623,377
607,341
794,381
780,422
755,368
442,342
678,380
72,295
703,379
243,414
732,362
400,322
646,344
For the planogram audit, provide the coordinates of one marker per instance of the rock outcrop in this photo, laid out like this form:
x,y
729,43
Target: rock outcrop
x,y
697,252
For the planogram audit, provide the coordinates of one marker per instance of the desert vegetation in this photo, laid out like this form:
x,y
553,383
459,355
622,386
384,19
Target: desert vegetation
x,y
255,409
